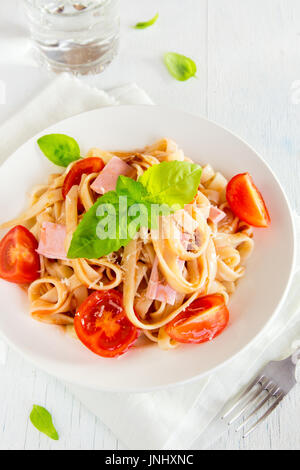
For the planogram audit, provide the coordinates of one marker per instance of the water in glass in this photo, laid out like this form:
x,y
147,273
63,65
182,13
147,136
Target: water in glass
x,y
80,37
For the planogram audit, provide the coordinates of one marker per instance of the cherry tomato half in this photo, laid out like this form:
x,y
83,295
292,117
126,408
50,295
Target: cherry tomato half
x,y
85,166
202,321
19,261
246,201
102,326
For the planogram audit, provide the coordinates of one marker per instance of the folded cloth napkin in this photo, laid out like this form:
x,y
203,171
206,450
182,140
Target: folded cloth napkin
x,y
186,416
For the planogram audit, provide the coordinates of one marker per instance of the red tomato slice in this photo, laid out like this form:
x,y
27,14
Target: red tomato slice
x,y
19,261
85,166
246,201
102,325
202,321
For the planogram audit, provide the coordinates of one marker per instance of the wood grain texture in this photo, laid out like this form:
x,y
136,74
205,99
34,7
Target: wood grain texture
x,y
248,58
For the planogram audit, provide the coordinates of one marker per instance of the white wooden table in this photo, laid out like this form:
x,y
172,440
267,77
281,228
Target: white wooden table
x,y
248,56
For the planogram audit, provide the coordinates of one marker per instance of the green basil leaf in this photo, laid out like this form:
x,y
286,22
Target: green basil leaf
x,y
86,242
60,149
160,187
138,193
180,67
126,219
42,421
171,183
128,187
146,24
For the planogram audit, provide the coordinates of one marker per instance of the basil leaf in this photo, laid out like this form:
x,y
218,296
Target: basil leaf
x,y
86,242
171,183
114,220
160,187
42,421
138,193
128,187
60,149
146,24
180,67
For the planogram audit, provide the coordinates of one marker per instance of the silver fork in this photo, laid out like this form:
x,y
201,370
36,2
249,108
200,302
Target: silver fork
x,y
275,381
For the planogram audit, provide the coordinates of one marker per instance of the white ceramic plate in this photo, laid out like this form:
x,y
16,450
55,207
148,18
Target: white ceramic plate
x,y
255,302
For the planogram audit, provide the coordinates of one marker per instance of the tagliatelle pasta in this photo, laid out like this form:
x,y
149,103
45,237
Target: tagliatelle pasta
x,y
207,258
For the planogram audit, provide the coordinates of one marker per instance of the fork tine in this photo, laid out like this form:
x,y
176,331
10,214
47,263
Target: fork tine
x,y
267,413
272,392
237,403
248,403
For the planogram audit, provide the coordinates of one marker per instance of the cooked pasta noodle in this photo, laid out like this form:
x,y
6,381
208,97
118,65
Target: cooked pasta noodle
x,y
210,260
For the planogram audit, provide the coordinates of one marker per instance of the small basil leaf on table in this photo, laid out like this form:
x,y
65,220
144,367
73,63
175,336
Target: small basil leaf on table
x,y
172,183
146,24
60,149
180,67
42,421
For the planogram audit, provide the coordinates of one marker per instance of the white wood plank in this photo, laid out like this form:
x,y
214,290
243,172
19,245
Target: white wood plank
x,y
279,432
248,58
253,52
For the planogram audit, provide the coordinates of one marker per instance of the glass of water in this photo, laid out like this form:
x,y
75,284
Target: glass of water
x,y
74,36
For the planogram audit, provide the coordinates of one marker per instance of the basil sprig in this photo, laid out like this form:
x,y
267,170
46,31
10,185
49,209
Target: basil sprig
x,y
170,185
180,67
146,24
42,421
60,149
86,242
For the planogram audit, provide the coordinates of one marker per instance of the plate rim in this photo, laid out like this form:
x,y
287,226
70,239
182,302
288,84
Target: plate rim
x,y
48,366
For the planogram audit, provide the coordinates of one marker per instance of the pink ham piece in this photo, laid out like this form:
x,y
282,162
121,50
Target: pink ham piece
x,y
165,293
52,241
185,220
157,290
107,180
185,239
216,215
153,281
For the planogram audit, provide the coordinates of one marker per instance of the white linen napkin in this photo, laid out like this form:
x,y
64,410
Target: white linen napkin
x,y
169,419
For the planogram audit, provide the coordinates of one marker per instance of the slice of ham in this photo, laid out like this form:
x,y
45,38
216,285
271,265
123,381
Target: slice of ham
x,y
165,293
185,220
107,180
52,241
159,290
216,215
153,281
185,239
205,210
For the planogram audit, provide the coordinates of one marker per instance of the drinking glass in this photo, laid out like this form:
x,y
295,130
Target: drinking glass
x,y
79,37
